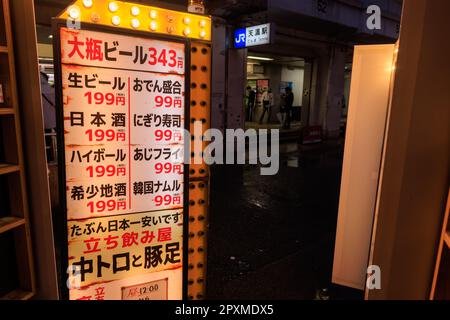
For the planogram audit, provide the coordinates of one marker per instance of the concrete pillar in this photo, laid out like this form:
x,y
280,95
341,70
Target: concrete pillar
x,y
327,90
218,75
319,89
307,87
335,92
237,74
229,73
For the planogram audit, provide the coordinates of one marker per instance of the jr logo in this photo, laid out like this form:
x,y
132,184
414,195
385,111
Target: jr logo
x,y
240,36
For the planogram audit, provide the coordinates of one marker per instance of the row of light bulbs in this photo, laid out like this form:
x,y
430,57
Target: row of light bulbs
x,y
113,7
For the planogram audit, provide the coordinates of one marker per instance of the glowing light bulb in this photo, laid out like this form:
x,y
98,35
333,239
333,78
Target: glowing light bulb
x,y
135,23
87,3
135,11
113,6
202,34
153,26
187,31
74,12
115,20
187,20
153,14
202,23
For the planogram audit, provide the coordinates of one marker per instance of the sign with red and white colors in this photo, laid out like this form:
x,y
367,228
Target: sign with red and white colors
x,y
124,119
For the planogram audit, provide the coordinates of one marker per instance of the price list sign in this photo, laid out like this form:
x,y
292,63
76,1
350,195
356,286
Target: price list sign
x,y
123,101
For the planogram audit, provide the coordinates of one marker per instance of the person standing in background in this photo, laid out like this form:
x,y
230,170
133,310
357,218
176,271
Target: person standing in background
x,y
48,103
267,101
288,107
251,100
282,114
49,113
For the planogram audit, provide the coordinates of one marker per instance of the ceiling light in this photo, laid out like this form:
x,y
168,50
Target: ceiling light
x,y
260,58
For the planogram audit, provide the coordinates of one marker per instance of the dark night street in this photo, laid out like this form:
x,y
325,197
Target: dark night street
x,y
276,229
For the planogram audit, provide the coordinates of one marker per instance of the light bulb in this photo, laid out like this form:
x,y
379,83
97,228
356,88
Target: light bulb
x,y
187,20
153,26
187,31
202,34
113,6
135,11
135,23
87,3
153,14
202,23
74,12
115,20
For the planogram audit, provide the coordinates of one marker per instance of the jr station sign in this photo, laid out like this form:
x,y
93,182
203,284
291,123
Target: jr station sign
x,y
130,79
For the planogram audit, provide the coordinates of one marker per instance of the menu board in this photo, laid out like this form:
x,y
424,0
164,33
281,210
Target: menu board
x,y
124,107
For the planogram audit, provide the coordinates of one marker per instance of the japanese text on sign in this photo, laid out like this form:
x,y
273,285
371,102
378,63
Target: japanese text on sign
x,y
124,104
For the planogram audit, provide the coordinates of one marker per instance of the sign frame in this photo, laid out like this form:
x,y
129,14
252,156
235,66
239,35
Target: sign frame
x,y
272,32
62,221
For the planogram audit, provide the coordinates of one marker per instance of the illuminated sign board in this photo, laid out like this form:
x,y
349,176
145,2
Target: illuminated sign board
x,y
124,182
252,36
122,77
124,105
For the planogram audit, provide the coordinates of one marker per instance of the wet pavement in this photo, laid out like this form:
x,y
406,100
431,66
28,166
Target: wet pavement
x,y
272,237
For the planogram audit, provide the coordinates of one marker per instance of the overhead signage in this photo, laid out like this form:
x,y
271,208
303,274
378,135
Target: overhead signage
x,y
253,36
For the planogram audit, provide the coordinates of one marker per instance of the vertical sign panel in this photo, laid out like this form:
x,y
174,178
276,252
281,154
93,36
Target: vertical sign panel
x,y
366,125
124,108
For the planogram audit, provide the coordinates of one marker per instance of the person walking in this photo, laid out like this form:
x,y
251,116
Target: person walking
x,y
267,100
